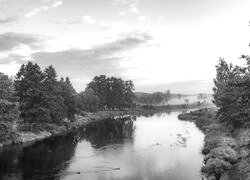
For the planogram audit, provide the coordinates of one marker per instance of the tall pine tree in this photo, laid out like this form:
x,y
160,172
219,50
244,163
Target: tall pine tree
x,y
28,87
52,97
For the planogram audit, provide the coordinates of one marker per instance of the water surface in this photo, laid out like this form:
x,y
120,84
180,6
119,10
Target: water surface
x,y
141,148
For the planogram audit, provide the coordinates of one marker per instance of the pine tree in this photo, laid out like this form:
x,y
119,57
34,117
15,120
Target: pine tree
x,y
28,87
69,96
53,100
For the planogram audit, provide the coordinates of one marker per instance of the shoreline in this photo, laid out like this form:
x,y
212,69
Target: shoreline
x,y
47,131
28,138
226,150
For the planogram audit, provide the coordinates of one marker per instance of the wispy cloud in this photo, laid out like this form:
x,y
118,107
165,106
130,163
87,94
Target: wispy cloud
x,y
67,21
7,20
122,13
13,57
132,6
142,18
44,8
161,18
56,4
124,2
104,58
133,10
10,40
88,19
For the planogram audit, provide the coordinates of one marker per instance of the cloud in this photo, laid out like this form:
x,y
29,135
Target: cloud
x,y
44,8
89,20
17,58
7,20
100,59
133,10
67,21
33,12
56,4
132,6
161,18
124,2
142,18
11,40
122,13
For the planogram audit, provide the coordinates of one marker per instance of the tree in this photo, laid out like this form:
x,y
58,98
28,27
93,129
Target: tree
x,y
128,94
6,87
53,100
28,87
112,92
152,98
88,101
231,93
99,86
8,107
69,96
41,97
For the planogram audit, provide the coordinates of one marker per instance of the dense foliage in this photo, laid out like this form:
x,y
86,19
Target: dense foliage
x,y
8,108
88,101
231,93
112,92
41,97
37,96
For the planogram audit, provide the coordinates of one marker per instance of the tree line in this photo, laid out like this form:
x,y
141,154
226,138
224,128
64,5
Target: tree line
x,y
232,93
152,98
39,96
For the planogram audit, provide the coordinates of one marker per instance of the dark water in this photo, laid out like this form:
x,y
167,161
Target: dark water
x,y
143,148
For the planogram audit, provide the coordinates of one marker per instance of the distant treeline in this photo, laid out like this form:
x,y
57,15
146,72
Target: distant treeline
x,y
160,98
37,96
112,92
152,98
232,93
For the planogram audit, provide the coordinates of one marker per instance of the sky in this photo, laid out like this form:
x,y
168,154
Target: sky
x,y
158,44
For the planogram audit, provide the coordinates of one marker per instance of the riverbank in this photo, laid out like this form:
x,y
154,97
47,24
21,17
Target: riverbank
x,y
226,150
18,134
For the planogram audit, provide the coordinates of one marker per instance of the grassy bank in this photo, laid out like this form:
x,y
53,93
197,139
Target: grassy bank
x,y
226,150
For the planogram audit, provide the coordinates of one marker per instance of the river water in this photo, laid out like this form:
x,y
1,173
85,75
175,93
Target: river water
x,y
157,147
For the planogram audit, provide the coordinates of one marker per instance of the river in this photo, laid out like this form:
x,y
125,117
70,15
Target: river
x,y
156,147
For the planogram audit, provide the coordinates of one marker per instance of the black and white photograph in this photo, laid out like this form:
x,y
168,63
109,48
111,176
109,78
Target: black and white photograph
x,y
124,89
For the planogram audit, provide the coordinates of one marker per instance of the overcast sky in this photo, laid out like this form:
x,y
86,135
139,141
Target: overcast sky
x,y
159,44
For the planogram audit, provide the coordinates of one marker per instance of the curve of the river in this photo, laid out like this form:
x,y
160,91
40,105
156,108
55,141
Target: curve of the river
x,y
158,147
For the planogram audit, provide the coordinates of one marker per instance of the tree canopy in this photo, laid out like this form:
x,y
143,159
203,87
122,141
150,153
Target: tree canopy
x,y
112,92
41,97
231,93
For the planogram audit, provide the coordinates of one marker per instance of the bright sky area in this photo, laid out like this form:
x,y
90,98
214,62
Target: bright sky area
x,y
159,44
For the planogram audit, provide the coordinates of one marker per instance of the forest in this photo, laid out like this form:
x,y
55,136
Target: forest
x,y
37,96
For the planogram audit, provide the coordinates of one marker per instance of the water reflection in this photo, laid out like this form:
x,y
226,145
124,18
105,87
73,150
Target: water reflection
x,y
43,160
109,131
155,147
